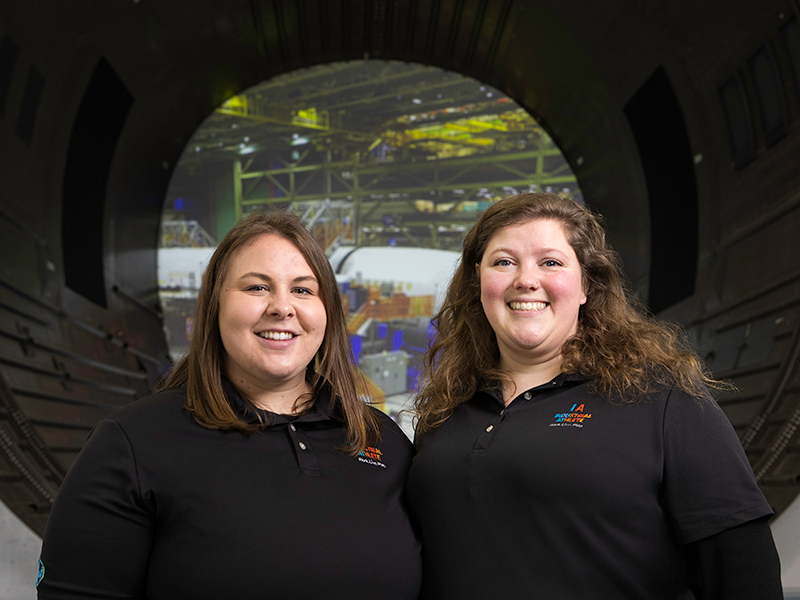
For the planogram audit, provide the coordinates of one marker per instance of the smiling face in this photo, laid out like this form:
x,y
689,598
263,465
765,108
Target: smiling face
x,y
531,291
271,317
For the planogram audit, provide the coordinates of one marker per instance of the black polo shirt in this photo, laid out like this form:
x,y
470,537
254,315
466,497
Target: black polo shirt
x,y
565,495
158,507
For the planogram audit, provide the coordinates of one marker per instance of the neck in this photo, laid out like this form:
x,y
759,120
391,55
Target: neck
x,y
527,376
278,401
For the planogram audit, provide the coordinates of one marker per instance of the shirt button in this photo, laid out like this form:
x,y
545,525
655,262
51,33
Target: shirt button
x,y
502,412
553,383
527,395
292,427
489,428
302,446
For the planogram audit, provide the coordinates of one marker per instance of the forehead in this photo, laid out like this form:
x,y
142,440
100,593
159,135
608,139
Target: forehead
x,y
268,253
536,233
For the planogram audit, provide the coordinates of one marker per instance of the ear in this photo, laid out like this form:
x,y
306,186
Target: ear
x,y
585,293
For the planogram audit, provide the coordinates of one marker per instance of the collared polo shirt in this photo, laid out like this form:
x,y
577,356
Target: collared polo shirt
x,y
158,507
563,494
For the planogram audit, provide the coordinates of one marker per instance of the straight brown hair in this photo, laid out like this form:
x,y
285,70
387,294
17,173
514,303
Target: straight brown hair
x,y
333,368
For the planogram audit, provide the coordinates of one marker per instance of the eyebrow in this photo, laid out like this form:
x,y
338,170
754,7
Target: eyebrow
x,y
269,279
540,251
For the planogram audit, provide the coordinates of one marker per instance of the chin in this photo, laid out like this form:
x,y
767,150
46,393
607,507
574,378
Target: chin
x,y
528,342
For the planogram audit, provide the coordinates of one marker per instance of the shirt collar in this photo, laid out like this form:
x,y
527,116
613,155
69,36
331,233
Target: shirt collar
x,y
322,409
495,388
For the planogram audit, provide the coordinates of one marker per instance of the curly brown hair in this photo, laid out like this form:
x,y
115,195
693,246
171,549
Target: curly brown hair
x,y
624,350
333,368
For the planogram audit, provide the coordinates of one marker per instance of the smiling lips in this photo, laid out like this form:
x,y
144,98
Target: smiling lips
x,y
276,335
527,305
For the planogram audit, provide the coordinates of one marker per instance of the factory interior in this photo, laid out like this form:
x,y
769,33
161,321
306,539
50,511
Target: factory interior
x,y
135,133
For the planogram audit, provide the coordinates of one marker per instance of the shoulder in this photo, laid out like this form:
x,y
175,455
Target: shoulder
x,y
116,441
677,401
392,435
656,392
148,411
681,408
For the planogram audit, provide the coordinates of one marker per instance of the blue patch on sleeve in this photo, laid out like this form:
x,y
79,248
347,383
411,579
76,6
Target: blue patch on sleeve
x,y
41,573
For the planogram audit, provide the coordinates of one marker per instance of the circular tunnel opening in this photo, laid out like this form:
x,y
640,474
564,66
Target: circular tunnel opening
x,y
387,164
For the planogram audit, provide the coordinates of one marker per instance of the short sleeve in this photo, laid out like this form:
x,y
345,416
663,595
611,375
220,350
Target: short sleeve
x,y
99,533
709,485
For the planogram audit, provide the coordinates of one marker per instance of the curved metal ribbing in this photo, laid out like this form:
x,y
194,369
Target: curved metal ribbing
x,y
774,397
25,432
15,457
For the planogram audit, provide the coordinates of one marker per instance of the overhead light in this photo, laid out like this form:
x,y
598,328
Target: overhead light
x,y
197,148
247,149
299,141
246,139
417,101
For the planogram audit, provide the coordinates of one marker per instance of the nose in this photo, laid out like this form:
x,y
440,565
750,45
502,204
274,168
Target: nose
x,y
280,304
527,278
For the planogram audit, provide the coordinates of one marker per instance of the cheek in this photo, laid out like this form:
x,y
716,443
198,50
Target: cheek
x,y
492,287
222,315
569,289
318,319
235,315
319,328
230,313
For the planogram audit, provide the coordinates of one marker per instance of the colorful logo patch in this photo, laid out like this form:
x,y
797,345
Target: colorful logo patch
x,y
371,456
41,573
574,417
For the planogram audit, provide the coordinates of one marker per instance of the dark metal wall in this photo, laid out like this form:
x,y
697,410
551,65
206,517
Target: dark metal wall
x,y
98,98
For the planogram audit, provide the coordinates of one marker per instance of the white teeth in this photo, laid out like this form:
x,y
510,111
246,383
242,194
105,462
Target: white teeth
x,y
276,335
527,305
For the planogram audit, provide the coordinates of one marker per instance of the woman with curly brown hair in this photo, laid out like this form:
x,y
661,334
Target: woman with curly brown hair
x,y
567,443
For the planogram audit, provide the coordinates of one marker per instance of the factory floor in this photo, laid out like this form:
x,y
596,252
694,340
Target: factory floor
x,y
397,406
19,557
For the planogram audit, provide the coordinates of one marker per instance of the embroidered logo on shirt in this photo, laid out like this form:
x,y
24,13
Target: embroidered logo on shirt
x,y
572,418
371,456
41,573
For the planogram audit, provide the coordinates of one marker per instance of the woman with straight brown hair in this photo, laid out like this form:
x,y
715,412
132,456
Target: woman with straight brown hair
x,y
257,470
567,443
